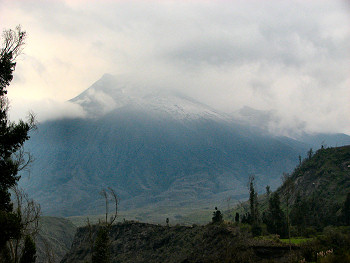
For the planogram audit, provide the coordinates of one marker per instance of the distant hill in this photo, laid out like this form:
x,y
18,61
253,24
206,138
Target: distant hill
x,y
154,148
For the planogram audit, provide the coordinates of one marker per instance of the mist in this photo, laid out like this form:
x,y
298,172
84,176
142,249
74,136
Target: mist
x,y
290,58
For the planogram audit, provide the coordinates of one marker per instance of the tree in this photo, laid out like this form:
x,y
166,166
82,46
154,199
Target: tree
x,y
276,218
114,196
29,251
253,201
101,252
237,217
299,213
346,210
13,41
310,153
29,213
12,137
100,247
268,191
217,216
289,189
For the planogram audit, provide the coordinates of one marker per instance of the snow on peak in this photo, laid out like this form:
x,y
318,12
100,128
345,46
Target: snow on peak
x,y
111,93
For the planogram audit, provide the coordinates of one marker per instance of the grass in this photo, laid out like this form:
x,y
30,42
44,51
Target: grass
x,y
155,215
296,240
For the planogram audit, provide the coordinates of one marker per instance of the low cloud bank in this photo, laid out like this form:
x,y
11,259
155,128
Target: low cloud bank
x,y
46,109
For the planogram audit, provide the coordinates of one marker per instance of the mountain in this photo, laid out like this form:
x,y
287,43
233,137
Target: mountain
x,y
155,148
263,119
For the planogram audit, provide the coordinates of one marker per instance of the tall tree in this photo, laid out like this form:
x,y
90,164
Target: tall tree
x,y
253,201
12,137
268,192
299,214
288,192
254,208
276,218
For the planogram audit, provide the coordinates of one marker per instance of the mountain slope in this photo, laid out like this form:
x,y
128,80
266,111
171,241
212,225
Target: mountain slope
x,y
317,190
152,147
326,173
54,238
147,161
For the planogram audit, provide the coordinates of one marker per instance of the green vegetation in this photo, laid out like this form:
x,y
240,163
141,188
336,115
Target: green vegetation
x,y
296,241
312,205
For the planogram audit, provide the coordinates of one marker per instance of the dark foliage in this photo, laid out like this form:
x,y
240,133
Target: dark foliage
x,y
101,253
217,216
12,137
333,243
253,202
29,251
346,210
276,220
140,242
237,217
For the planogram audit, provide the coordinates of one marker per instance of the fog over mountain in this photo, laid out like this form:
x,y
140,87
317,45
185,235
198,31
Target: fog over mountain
x,y
290,58
154,148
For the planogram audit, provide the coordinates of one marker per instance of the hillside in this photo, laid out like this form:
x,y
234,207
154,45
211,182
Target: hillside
x,y
54,239
326,174
318,189
141,242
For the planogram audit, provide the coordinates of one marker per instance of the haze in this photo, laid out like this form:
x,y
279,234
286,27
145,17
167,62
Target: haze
x,y
288,57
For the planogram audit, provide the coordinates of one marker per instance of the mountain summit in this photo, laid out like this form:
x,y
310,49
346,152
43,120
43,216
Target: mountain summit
x,y
113,93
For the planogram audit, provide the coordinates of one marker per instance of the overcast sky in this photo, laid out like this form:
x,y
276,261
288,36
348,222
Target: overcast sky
x,y
292,57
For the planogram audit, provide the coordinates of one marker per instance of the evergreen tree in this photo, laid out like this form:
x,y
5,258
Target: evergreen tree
x,y
310,153
253,202
29,251
12,137
268,191
276,219
101,252
299,214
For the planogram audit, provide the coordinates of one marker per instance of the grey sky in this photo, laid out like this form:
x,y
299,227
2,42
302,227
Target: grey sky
x,y
291,57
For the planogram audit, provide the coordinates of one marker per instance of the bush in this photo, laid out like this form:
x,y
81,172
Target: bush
x,y
256,230
310,232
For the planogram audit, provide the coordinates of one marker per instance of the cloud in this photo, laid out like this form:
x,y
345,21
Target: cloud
x,y
45,109
291,57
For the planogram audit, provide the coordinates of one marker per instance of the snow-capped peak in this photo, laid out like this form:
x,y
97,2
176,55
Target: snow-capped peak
x,y
112,93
